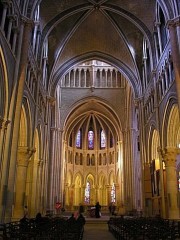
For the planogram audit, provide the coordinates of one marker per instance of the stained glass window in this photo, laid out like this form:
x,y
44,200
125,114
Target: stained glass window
x,y
87,193
103,139
91,139
113,194
78,139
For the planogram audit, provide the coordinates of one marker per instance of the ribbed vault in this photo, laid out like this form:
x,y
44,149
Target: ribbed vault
x,y
102,116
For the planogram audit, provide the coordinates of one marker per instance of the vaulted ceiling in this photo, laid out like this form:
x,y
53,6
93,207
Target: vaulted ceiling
x,y
108,30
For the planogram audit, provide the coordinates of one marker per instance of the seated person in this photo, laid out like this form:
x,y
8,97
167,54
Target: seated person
x,y
81,219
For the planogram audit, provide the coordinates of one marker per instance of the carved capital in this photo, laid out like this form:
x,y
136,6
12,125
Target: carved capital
x,y
40,163
173,23
24,153
169,155
1,122
23,162
6,124
51,100
6,3
27,22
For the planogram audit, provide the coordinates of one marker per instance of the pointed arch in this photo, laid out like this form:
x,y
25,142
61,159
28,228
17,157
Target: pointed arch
x,y
102,183
155,144
23,128
173,127
69,178
78,183
4,86
90,184
111,178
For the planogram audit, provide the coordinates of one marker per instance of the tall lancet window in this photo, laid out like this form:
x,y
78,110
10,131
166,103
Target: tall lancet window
x,y
90,139
78,139
113,194
103,139
87,193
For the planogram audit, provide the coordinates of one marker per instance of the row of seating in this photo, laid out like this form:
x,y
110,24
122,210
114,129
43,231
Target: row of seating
x,y
133,228
46,229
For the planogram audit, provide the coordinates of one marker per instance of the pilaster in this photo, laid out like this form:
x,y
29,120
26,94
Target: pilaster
x,y
24,154
174,26
169,158
162,192
108,187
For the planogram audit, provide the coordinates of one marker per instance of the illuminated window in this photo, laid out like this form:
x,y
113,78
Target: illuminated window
x,y
87,193
78,139
113,194
91,139
103,139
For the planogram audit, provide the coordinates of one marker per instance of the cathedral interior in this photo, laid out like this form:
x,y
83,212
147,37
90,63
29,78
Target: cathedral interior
x,y
89,106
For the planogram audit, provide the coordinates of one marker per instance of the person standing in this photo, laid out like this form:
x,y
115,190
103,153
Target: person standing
x,y
25,211
81,208
112,208
97,210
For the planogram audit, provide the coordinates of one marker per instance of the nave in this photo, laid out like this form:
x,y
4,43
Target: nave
x,y
97,229
78,227
89,107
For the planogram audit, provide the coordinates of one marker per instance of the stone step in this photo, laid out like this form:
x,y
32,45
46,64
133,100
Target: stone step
x,y
102,220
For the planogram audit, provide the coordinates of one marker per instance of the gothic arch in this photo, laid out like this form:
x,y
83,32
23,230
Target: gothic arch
x,y
155,144
111,178
4,86
173,127
83,108
166,8
102,183
102,179
23,129
69,178
78,183
122,67
170,124
27,114
40,135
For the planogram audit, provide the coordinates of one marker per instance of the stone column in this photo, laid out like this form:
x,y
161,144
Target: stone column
x,y
121,169
85,77
3,129
40,169
173,26
5,7
24,154
20,73
140,104
169,157
66,189
159,36
83,193
162,194
109,194
117,189
71,196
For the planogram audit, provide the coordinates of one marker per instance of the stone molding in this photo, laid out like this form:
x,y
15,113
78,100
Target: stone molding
x,y
24,154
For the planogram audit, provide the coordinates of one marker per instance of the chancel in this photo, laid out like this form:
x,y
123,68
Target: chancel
x,y
89,107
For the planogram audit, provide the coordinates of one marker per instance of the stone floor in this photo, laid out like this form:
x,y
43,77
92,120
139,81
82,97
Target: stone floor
x,y
97,229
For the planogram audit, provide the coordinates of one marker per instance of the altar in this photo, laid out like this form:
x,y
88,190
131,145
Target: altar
x,y
91,212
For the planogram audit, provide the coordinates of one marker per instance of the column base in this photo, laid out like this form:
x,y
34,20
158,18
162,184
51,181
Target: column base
x,y
18,213
174,214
